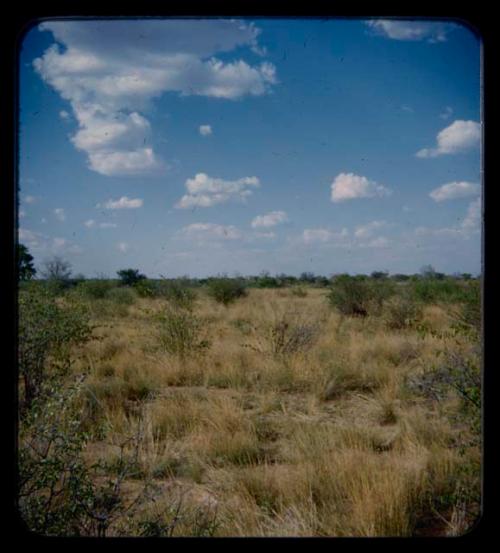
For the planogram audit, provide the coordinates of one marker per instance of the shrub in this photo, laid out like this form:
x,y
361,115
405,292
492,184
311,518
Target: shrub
x,y
180,333
47,330
358,296
298,291
129,277
122,296
402,312
226,290
179,294
145,288
95,288
431,290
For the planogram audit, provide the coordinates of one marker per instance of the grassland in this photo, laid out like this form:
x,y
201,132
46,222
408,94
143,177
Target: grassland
x,y
281,417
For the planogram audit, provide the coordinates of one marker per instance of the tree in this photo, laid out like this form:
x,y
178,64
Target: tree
x,y
129,277
25,267
57,269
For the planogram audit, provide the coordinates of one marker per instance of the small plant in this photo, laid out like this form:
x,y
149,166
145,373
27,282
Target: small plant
x,y
95,288
122,296
401,312
226,290
145,288
298,291
179,294
181,333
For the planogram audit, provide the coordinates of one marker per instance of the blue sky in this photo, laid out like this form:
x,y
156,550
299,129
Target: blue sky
x,y
222,146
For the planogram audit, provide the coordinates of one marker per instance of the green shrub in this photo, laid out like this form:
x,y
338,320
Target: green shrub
x,y
122,296
358,296
431,290
226,290
95,288
181,333
130,277
401,312
298,291
145,288
47,331
179,294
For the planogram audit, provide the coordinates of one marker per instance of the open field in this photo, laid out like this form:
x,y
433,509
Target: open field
x,y
275,415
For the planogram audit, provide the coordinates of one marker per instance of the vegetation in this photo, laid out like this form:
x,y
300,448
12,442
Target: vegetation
x,y
130,277
311,407
25,267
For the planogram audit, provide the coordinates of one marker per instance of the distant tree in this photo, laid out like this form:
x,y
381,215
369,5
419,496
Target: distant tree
x,y
377,275
56,269
129,277
25,266
307,277
428,271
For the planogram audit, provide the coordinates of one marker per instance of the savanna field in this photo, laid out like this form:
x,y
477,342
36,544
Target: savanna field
x,y
344,407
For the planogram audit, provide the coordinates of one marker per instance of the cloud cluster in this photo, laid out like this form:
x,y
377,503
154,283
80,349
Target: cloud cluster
x,y
46,245
368,230
270,219
92,224
429,31
205,130
322,235
206,191
454,190
458,137
109,71
60,214
472,220
348,186
122,203
203,231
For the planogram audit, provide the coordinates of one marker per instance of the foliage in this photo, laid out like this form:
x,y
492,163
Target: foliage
x,y
57,273
122,296
95,288
179,293
130,277
358,296
145,288
181,333
47,330
430,290
26,270
226,290
402,312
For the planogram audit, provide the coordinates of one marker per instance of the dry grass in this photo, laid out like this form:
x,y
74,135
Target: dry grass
x,y
318,438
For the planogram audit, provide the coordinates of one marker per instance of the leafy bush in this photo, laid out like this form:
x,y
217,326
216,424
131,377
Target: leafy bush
x,y
298,291
468,317
145,288
179,293
181,333
357,296
129,277
226,290
95,288
122,296
402,312
431,290
47,330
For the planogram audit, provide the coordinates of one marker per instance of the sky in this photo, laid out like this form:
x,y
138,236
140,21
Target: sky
x,y
204,147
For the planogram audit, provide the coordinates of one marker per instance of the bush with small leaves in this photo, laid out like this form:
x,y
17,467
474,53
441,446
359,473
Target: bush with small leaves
x,y
122,296
95,288
226,290
181,333
401,312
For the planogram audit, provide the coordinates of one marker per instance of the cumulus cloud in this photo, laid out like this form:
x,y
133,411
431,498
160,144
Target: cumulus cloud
x,y
122,203
46,245
323,235
270,219
454,190
63,114
123,247
203,231
458,137
205,130
90,223
429,31
110,71
348,186
368,230
30,199
60,214
472,220
205,191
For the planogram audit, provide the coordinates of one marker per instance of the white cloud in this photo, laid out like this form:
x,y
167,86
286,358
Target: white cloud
x,y
91,224
45,245
348,186
410,30
446,113
472,220
30,199
202,231
458,137
63,114
123,247
379,242
22,214
110,71
205,130
322,235
454,190
122,203
60,214
368,230
270,219
205,191
264,235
